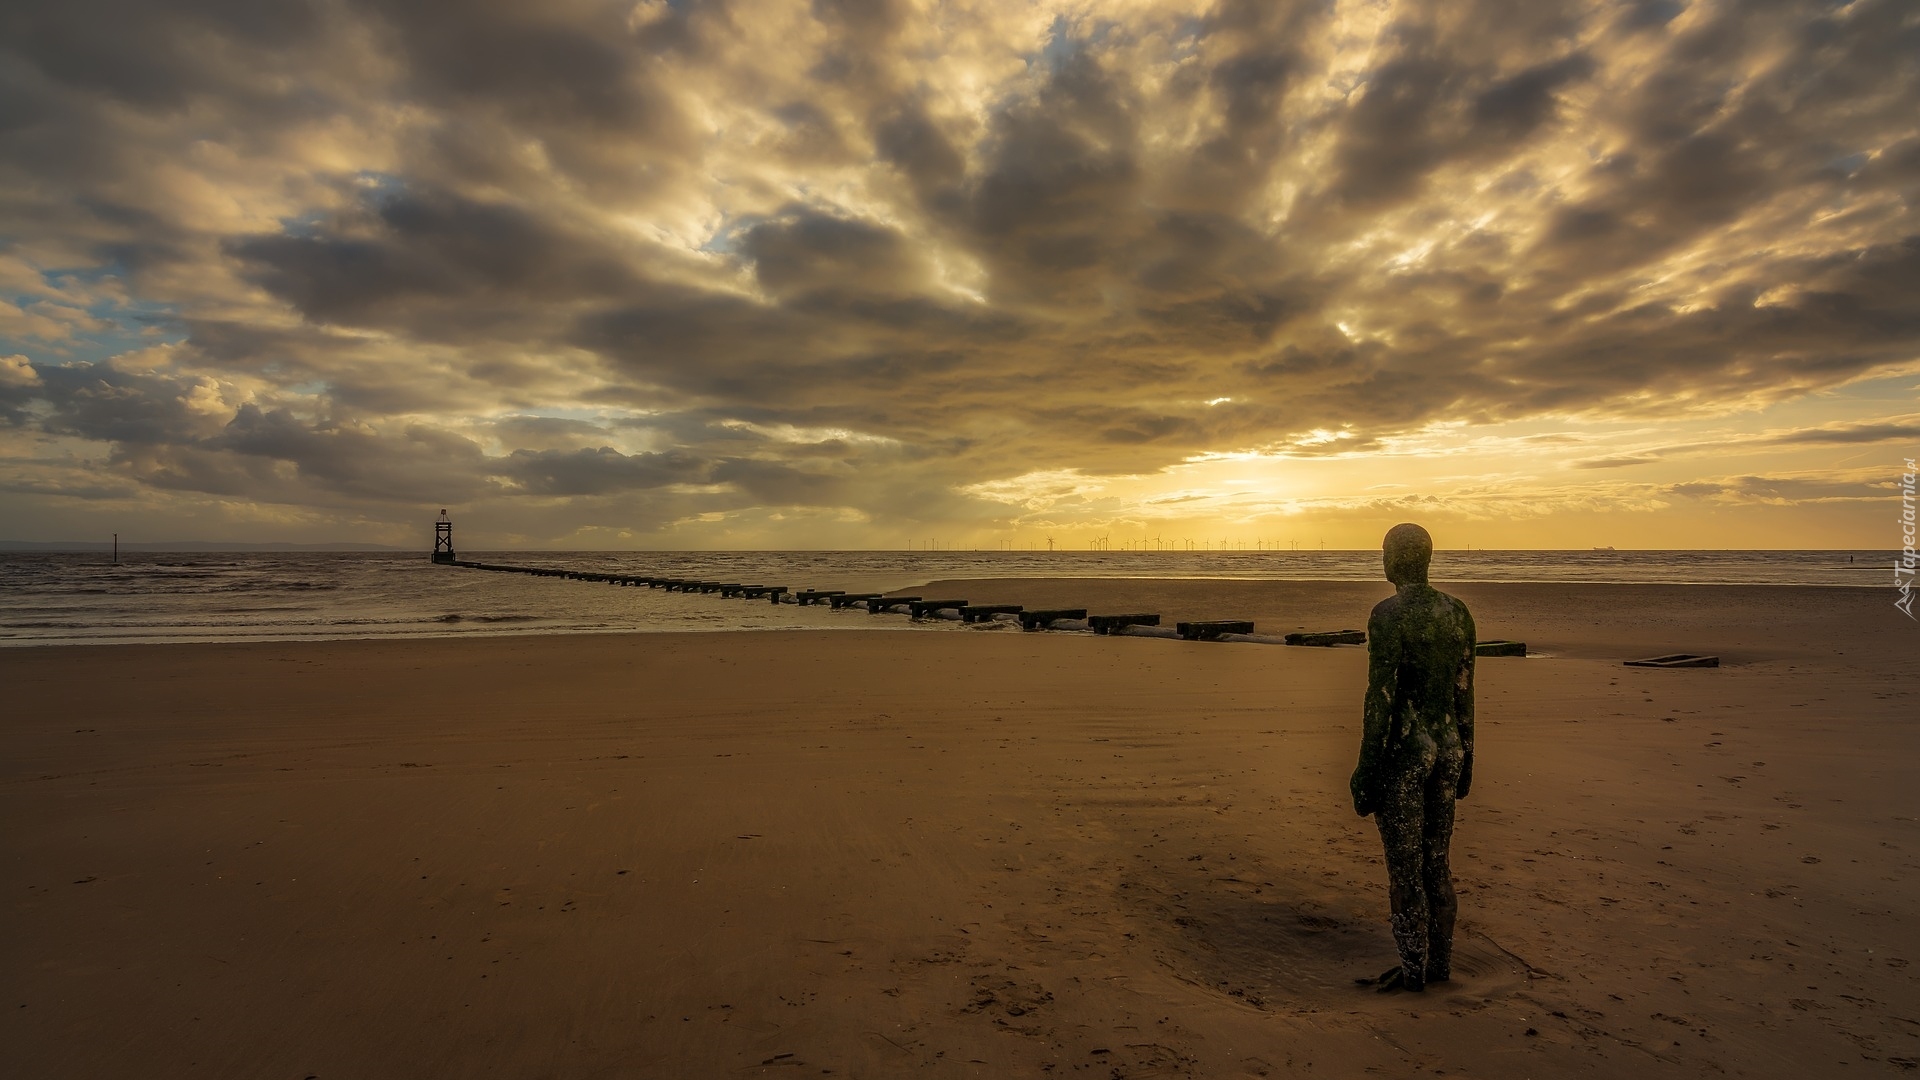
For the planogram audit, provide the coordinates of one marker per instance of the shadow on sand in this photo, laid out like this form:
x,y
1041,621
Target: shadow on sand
x,y
1273,950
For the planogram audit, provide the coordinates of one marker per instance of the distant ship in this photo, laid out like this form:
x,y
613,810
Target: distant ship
x,y
1609,547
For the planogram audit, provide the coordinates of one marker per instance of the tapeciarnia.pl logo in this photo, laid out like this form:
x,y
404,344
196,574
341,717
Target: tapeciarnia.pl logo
x,y
1903,567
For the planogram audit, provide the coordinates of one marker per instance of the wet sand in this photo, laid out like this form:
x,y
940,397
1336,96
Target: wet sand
x,y
973,853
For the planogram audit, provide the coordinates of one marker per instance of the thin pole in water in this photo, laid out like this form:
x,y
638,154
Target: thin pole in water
x,y
116,549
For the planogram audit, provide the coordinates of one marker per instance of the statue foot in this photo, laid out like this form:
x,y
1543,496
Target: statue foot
x,y
1394,978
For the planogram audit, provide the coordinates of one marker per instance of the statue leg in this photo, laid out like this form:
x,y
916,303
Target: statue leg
x,y
1402,835
1436,867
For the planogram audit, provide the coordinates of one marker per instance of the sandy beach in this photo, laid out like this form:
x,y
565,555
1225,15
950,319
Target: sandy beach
x,y
992,854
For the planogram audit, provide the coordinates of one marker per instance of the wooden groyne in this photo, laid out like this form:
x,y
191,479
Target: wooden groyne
x,y
1113,624
1329,637
1123,624
1054,619
975,613
1213,630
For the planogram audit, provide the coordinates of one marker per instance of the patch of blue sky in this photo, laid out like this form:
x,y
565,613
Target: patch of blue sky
x,y
379,185
119,325
67,276
305,225
725,239
1850,163
370,186
1063,44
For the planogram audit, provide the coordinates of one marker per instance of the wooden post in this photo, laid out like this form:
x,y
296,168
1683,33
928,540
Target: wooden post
x,y
1107,624
1038,620
974,613
1211,629
1327,638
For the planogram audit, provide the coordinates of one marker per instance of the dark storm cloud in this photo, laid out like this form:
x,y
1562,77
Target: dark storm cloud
x,y
146,55
908,138
816,252
856,254
102,403
602,470
1448,93
1058,183
473,265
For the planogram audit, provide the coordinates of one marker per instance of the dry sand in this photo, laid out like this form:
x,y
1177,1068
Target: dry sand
x,y
975,853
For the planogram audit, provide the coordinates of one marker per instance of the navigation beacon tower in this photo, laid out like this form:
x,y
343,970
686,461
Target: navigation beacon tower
x,y
443,539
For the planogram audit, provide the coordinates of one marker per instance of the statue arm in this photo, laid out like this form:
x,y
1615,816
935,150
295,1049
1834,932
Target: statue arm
x,y
1463,708
1383,666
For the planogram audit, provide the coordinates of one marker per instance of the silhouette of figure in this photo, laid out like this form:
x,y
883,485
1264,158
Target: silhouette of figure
x,y
1416,756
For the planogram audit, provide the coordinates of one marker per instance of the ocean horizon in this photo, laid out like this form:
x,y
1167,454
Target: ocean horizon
x,y
81,598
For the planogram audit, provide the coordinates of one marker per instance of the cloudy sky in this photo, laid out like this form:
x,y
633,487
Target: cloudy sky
x,y
865,273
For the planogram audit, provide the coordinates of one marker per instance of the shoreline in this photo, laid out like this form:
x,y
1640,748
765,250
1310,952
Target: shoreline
x,y
1741,622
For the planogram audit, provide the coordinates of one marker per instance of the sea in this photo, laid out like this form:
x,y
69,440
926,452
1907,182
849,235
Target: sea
x,y
52,598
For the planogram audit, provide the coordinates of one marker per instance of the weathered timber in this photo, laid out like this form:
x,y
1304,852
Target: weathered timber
x,y
1039,620
974,613
808,596
1211,629
887,603
1138,630
849,599
922,609
1676,660
1107,624
1329,637
1500,648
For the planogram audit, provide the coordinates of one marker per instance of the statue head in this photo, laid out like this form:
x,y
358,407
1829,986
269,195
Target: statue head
x,y
1407,551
